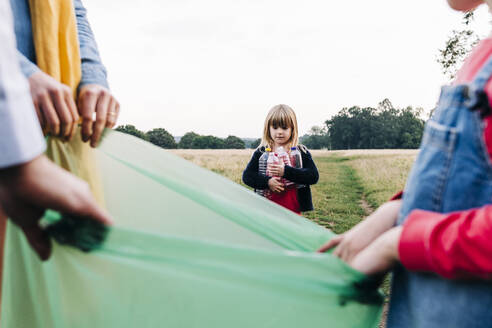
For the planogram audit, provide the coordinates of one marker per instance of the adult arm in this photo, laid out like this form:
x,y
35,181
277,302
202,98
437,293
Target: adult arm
x,y
20,135
93,71
453,245
94,95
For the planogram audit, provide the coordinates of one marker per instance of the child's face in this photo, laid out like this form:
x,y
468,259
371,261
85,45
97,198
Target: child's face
x,y
280,134
464,5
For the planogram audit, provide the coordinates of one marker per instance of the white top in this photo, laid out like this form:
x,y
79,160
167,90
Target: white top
x,y
21,139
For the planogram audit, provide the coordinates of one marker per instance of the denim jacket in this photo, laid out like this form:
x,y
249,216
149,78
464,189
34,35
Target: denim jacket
x,y
93,71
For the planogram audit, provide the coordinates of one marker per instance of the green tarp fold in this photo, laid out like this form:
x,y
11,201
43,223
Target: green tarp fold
x,y
189,248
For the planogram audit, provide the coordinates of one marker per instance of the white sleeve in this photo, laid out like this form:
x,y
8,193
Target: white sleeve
x,y
21,139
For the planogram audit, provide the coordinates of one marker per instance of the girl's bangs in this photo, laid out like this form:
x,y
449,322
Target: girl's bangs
x,y
281,119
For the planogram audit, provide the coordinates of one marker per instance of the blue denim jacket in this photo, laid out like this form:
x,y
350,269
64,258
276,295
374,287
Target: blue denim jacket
x,y
93,71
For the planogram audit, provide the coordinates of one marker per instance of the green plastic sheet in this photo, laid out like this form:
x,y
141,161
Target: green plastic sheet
x,y
189,249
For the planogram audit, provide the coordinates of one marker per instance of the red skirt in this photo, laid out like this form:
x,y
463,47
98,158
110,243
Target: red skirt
x,y
287,199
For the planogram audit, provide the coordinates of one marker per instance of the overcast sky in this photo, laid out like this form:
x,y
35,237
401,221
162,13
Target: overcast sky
x,y
217,66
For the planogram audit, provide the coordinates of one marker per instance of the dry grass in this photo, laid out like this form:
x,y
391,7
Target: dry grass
x,y
359,152
382,171
382,175
227,162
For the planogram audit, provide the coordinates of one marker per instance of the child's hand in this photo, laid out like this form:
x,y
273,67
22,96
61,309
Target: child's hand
x,y
277,170
381,255
350,243
275,184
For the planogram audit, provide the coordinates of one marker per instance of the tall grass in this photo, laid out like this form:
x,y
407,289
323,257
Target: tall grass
x,y
382,175
346,177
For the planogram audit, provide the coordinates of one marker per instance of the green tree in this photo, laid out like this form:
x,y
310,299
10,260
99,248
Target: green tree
x,y
233,142
132,130
457,47
382,127
207,142
160,137
316,138
187,140
255,143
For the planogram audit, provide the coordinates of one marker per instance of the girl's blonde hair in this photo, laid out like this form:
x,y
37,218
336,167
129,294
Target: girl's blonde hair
x,y
283,116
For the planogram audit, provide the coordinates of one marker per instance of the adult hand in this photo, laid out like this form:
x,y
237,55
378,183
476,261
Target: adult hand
x,y
350,243
276,170
381,255
54,105
27,190
96,99
275,184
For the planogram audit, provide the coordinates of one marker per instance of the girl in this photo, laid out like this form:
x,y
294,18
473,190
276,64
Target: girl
x,y
441,245
281,131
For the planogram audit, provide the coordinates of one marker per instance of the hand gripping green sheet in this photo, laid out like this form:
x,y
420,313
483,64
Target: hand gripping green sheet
x,y
189,249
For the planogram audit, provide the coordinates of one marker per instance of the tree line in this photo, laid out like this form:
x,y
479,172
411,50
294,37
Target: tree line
x,y
191,140
369,128
351,128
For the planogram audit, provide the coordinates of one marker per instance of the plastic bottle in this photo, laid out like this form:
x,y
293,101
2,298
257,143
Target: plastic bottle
x,y
285,158
262,169
296,160
272,159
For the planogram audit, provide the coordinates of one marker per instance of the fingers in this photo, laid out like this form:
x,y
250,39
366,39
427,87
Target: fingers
x,y
113,112
43,180
54,104
38,240
84,205
344,252
278,186
330,244
64,114
26,216
95,100
77,199
40,115
75,115
52,120
94,212
103,103
275,169
87,106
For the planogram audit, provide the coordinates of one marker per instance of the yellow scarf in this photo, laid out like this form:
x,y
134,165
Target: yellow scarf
x,y
56,42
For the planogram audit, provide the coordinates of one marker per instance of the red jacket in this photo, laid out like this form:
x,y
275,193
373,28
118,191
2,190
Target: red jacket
x,y
458,244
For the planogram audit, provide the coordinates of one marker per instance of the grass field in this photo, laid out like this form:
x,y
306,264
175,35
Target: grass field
x,y
352,183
